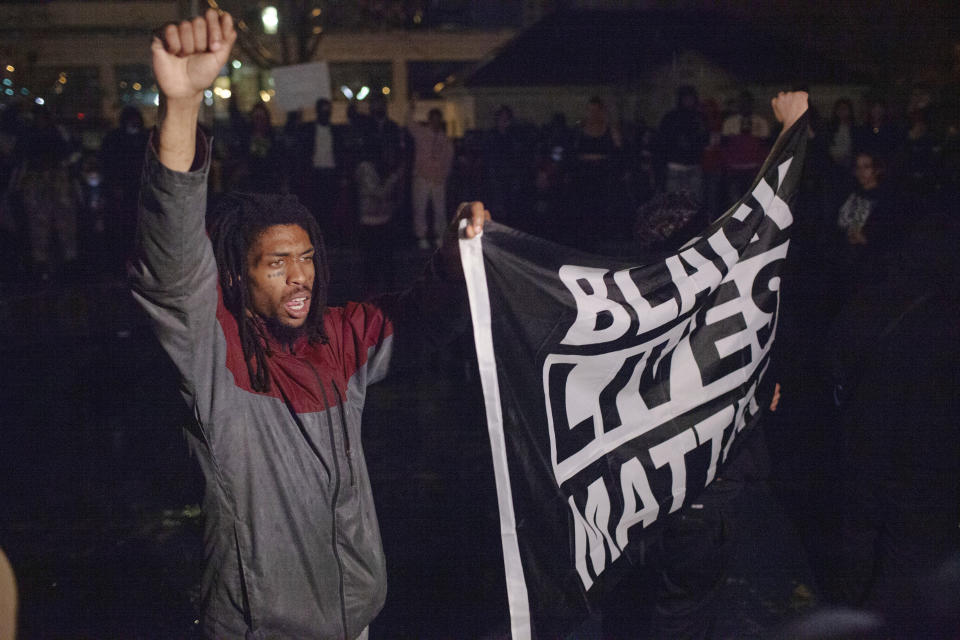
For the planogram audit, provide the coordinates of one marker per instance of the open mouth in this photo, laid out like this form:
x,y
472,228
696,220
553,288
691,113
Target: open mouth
x,y
298,307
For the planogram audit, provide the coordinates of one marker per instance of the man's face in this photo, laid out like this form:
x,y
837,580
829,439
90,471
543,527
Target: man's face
x,y
866,173
280,274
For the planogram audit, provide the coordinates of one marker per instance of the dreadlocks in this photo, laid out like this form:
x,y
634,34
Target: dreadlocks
x,y
238,221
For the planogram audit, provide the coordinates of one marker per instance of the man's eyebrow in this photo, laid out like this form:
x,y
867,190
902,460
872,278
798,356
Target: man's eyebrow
x,y
281,253
290,253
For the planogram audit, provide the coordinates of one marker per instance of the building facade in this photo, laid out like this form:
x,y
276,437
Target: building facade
x,y
87,60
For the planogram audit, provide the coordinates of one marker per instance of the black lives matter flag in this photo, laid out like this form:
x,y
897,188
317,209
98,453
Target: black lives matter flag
x,y
615,390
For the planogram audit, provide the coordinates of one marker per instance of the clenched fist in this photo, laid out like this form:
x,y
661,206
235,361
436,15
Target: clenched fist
x,y
188,56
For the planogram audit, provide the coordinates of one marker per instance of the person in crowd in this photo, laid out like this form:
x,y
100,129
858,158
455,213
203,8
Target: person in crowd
x,y
554,144
838,138
556,138
322,152
502,166
93,221
870,222
379,131
432,162
263,150
918,155
687,563
121,160
714,159
595,171
893,352
291,160
598,139
379,183
47,196
466,176
878,134
840,143
12,129
554,150
275,377
683,137
744,139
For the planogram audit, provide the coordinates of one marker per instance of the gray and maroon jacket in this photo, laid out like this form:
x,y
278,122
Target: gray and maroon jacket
x,y
292,544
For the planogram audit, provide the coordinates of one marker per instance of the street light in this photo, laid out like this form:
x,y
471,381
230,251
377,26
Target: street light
x,y
270,20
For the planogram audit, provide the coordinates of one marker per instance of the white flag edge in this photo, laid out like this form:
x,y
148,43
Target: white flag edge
x,y
474,272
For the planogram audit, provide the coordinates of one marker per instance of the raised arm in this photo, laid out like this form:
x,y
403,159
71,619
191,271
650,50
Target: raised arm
x,y
434,310
186,59
173,272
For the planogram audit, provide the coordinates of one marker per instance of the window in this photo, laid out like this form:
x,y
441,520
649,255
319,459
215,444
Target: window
x,y
71,90
358,80
135,85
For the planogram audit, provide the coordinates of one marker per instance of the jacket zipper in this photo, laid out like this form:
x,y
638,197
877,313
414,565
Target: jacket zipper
x,y
336,495
346,434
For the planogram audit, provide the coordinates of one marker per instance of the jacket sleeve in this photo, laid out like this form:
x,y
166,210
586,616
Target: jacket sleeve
x,y
173,276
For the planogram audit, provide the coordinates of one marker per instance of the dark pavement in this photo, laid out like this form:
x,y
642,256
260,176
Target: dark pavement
x,y
99,497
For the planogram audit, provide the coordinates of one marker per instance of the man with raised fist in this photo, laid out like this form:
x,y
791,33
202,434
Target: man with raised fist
x,y
275,378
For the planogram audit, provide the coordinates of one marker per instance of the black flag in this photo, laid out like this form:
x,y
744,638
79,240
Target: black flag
x,y
615,389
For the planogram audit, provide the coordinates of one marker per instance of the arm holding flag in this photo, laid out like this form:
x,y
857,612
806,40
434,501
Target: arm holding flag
x,y
788,107
615,388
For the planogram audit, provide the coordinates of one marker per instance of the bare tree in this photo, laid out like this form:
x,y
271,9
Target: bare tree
x,y
301,24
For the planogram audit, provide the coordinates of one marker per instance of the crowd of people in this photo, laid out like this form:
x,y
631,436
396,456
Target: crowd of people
x,y
868,341
377,184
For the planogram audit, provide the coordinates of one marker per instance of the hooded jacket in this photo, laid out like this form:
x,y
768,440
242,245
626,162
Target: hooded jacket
x,y
291,540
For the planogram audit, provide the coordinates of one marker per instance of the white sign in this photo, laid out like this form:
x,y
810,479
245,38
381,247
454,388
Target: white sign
x,y
299,86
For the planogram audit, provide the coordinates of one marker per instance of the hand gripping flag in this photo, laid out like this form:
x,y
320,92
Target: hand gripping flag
x,y
615,389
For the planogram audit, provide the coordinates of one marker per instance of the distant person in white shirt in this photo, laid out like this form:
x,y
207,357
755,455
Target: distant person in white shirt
x,y
322,188
432,161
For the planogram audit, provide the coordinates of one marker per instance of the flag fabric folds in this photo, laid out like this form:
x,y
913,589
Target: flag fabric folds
x,y
616,389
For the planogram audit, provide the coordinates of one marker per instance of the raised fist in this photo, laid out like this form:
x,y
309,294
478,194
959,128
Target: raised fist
x,y
188,56
789,106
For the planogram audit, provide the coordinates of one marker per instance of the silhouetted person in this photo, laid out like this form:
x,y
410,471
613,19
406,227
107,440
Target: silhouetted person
x,y
595,176
877,135
379,184
744,147
48,196
322,155
683,137
502,166
121,160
